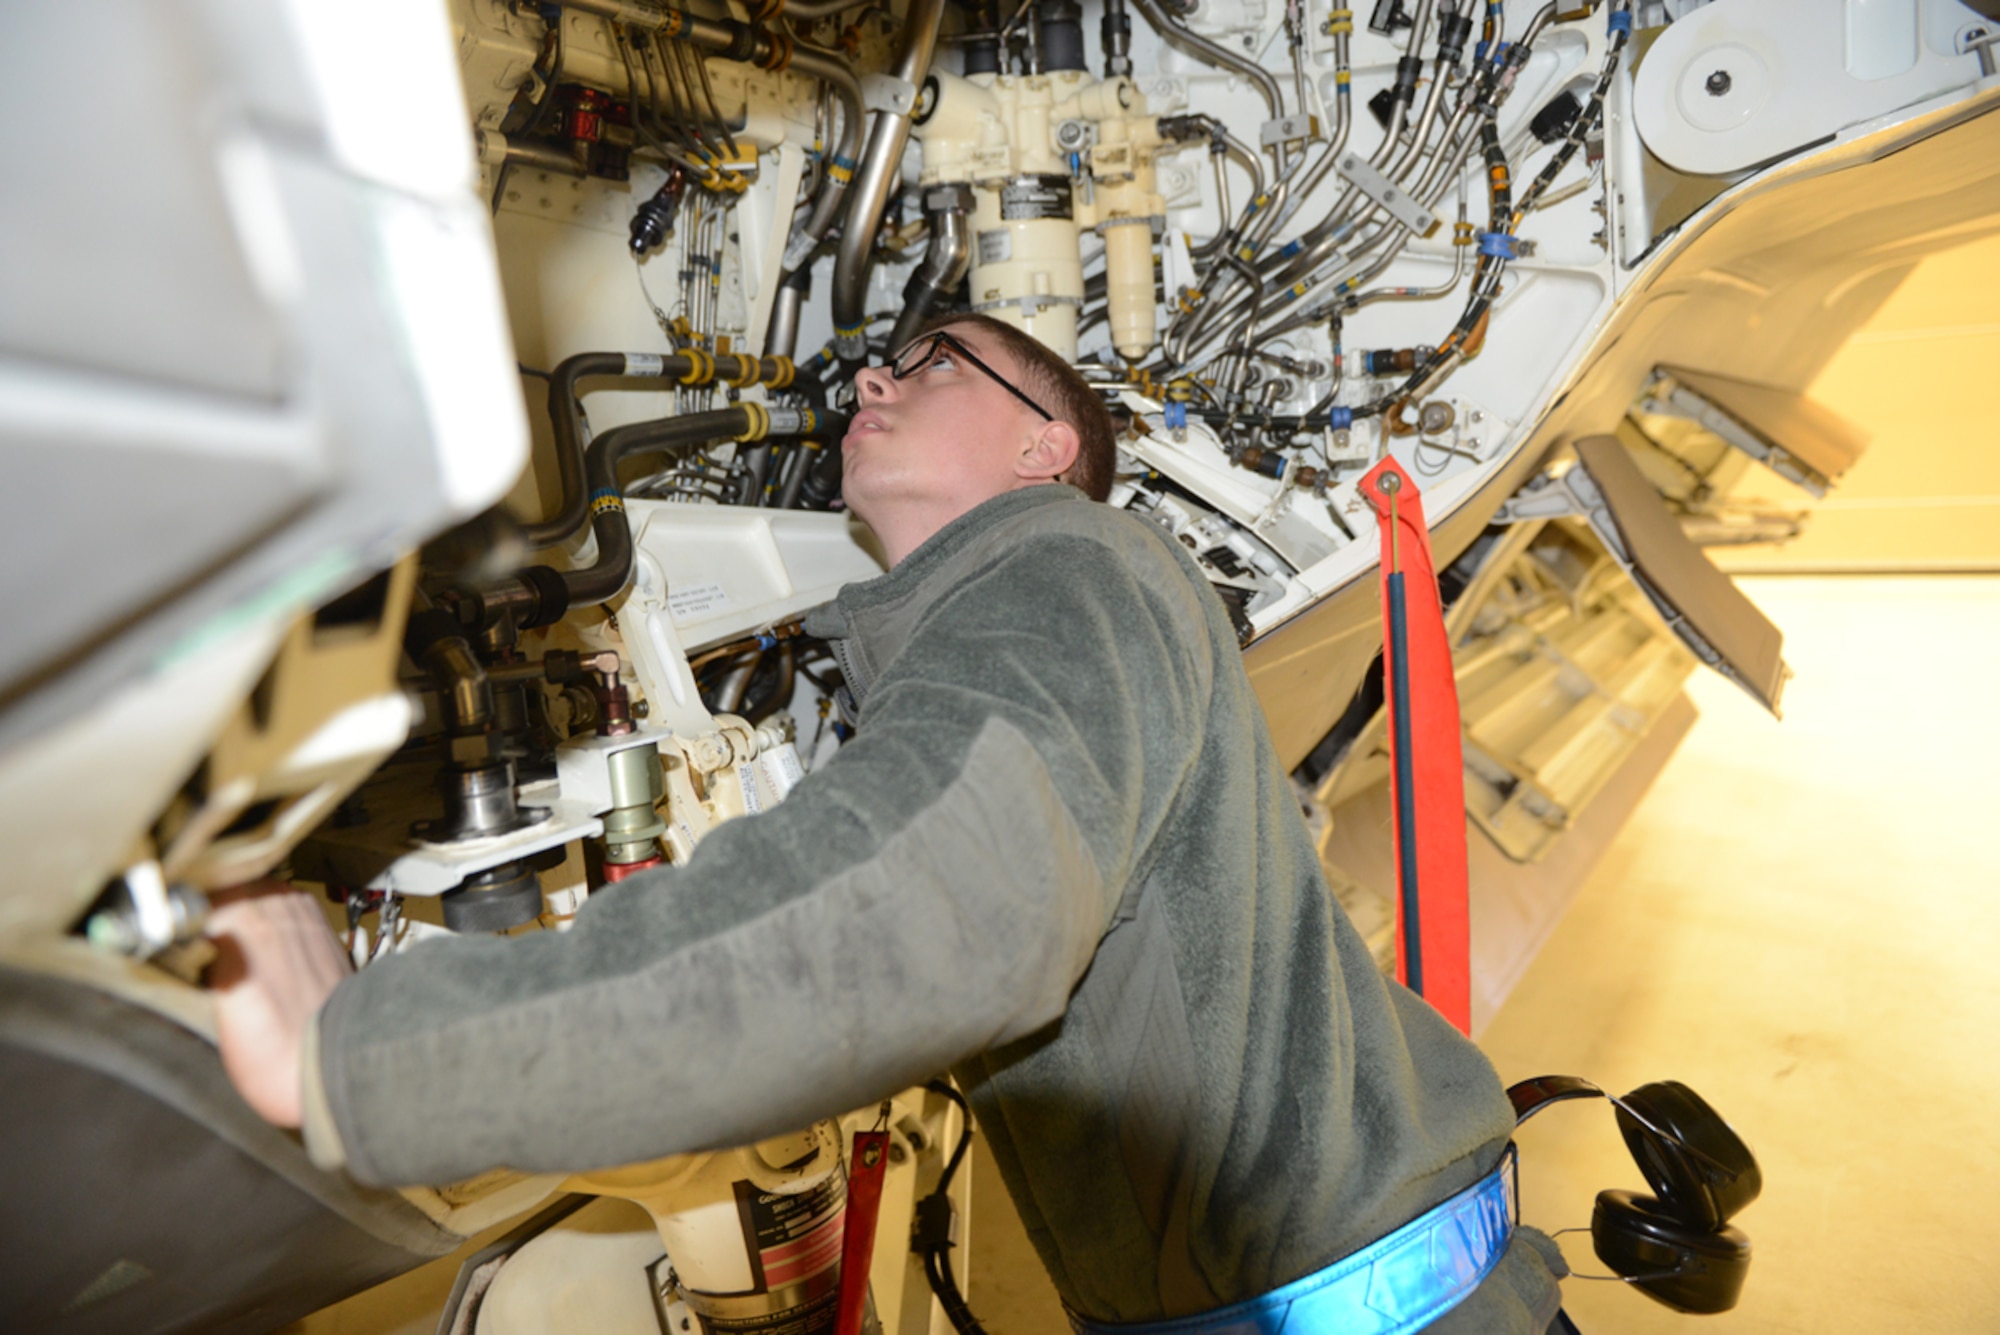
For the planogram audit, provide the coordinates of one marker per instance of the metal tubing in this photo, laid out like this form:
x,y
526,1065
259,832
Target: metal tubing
x,y
880,165
836,74
1176,34
944,264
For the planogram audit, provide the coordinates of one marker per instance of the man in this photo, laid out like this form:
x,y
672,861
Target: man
x,y
1058,858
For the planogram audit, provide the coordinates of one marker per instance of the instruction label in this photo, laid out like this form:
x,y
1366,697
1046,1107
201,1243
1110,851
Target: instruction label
x,y
996,246
1027,198
695,601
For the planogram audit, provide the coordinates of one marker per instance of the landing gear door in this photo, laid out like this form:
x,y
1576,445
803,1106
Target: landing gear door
x,y
1702,605
1781,429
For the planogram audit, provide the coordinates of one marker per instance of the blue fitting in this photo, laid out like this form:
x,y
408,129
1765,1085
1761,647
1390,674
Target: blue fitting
x,y
1621,20
1289,249
1339,419
1497,244
1176,416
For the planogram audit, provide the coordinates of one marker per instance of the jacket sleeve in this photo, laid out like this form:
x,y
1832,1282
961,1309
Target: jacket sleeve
x,y
938,888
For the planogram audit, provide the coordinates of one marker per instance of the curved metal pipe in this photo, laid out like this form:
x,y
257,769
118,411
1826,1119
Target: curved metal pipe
x,y
944,265
880,164
835,73
1176,34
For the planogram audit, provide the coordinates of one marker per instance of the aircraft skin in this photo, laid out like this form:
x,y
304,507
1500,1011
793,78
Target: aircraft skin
x,y
256,322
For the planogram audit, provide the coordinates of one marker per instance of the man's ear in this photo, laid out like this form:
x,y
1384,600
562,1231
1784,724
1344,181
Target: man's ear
x,y
1049,454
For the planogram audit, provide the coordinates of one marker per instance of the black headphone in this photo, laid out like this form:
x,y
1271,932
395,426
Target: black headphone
x,y
1676,1245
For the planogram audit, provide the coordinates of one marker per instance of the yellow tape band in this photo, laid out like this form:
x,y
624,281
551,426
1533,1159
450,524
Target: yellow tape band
x,y
760,422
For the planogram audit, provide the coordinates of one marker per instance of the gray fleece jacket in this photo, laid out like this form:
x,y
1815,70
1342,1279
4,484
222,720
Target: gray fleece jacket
x,y
1059,858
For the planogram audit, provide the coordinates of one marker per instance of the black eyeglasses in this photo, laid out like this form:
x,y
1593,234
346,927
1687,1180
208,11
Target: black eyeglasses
x,y
921,355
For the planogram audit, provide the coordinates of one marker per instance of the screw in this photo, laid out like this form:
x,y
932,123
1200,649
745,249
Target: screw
x,y
1389,484
1718,83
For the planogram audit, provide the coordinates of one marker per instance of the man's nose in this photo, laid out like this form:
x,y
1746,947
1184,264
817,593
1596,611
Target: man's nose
x,y
872,384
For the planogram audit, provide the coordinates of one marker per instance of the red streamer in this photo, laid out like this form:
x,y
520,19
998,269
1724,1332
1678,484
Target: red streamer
x,y
1427,781
864,1206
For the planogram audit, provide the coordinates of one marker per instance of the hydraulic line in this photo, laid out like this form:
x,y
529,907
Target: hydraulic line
x,y
946,259
1175,33
837,74
881,165
603,580
568,426
566,421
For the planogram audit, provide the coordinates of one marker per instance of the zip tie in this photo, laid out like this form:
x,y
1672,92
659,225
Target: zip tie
x,y
1497,244
701,367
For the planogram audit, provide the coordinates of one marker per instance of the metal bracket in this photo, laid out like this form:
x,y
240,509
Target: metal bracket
x,y
886,92
1667,397
1285,129
1362,175
1569,495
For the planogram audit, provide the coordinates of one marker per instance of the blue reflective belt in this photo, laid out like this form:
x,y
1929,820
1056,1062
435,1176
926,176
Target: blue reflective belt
x,y
1395,1285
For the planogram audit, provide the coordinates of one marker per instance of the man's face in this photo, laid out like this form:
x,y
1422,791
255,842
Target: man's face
x,y
946,438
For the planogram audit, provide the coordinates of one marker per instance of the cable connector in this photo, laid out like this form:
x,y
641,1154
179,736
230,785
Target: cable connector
x,y
935,1227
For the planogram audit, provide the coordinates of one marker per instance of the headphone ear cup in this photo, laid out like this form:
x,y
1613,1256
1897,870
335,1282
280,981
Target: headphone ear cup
x,y
1705,1189
1690,1270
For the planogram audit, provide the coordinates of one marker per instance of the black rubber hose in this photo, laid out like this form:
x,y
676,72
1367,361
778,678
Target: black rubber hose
x,y
566,420
603,580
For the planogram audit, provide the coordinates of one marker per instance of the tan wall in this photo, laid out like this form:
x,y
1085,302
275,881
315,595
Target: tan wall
x,y
1923,379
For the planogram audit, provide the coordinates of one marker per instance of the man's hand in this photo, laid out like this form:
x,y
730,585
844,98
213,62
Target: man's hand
x,y
276,963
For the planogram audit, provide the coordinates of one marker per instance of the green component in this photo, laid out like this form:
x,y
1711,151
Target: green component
x,y
633,825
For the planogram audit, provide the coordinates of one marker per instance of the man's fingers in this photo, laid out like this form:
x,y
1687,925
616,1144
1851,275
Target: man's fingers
x,y
276,963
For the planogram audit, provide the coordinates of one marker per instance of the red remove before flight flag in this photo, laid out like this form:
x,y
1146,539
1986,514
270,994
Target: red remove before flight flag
x,y
864,1205
1426,770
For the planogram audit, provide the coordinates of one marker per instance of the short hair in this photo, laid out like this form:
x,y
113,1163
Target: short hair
x,y
1066,395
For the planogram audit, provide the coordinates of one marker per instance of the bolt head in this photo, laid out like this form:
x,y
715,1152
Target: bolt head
x,y
1719,83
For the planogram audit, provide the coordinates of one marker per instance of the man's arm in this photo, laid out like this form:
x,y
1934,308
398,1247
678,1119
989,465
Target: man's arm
x,y
937,890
